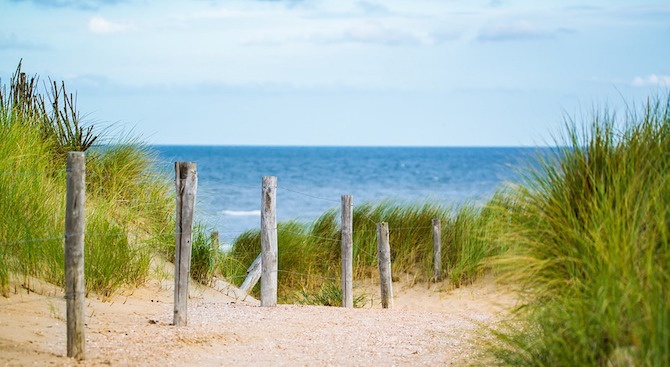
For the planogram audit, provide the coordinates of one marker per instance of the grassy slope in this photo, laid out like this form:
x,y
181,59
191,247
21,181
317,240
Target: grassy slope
x,y
589,246
129,212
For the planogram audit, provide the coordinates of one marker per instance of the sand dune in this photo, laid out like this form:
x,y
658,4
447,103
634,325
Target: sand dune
x,y
428,326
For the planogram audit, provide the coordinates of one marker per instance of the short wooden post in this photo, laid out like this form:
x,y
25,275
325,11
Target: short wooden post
x,y
186,182
269,266
75,199
384,254
253,274
347,252
437,250
214,238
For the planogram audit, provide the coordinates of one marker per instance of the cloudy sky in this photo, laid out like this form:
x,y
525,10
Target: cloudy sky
x,y
342,72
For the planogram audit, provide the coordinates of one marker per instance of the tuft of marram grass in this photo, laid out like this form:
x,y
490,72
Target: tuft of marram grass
x,y
129,209
588,244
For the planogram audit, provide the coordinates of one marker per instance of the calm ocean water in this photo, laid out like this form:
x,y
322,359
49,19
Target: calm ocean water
x,y
311,180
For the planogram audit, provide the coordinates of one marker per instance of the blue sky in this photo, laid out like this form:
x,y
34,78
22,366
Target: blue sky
x,y
342,72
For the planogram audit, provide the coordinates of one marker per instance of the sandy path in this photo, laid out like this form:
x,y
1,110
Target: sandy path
x,y
426,327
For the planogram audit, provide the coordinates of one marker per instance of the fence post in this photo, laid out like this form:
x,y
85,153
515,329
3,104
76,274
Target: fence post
x,y
186,182
269,265
347,252
214,238
384,253
437,250
75,199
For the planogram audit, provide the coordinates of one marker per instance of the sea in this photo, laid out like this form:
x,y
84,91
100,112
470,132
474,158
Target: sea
x,y
311,180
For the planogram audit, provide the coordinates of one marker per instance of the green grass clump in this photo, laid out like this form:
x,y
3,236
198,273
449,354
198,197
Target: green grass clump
x,y
329,294
310,254
204,254
129,211
588,246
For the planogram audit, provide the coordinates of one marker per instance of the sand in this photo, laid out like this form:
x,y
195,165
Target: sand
x,y
429,325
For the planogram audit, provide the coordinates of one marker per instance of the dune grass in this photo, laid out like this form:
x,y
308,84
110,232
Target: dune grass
x,y
310,254
129,210
588,246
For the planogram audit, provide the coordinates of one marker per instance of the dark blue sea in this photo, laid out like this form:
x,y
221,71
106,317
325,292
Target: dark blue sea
x,y
311,180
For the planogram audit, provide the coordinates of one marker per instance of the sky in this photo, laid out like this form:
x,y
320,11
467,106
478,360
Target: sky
x,y
342,72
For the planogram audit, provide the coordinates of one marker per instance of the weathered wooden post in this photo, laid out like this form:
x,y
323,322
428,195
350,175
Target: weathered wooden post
x,y
75,200
186,182
347,252
269,265
437,250
214,238
384,254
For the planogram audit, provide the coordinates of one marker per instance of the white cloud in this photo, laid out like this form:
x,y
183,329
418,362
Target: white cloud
x,y
376,33
100,25
652,80
521,29
366,32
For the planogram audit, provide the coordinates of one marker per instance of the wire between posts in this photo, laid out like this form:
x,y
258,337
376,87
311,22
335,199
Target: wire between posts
x,y
307,195
365,216
365,252
311,236
405,228
241,186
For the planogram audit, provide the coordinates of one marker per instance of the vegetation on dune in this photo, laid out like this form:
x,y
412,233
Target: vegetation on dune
x,y
129,210
588,245
310,254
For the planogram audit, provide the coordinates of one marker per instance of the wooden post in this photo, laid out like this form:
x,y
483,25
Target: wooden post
x,y
384,253
347,252
437,250
214,237
269,265
186,182
253,274
75,200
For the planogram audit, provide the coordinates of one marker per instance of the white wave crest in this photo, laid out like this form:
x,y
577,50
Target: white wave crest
x,y
241,213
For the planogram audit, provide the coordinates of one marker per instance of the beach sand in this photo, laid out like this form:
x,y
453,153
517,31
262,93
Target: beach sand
x,y
428,325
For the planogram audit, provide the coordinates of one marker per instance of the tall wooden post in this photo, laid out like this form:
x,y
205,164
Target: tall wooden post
x,y
269,265
437,250
347,252
186,182
75,200
384,253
